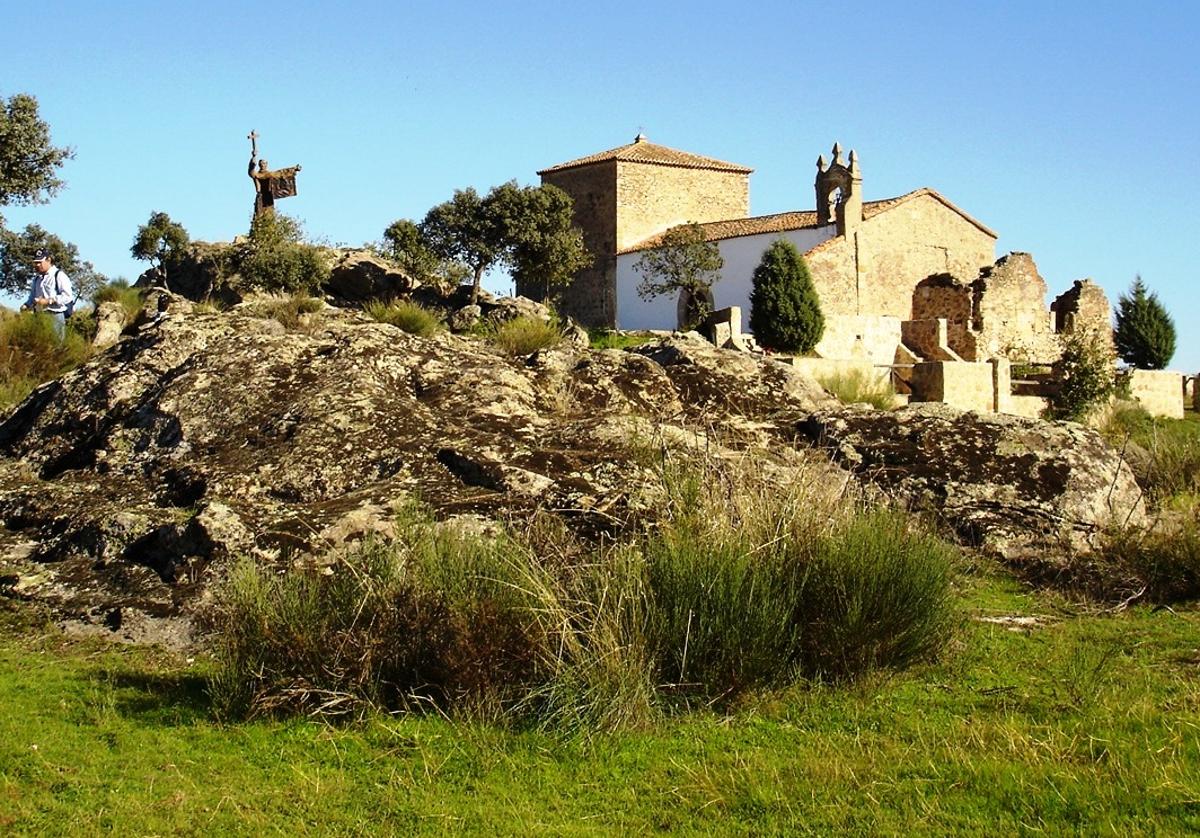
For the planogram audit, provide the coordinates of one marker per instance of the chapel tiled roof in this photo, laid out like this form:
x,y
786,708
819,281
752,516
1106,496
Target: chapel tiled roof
x,y
734,228
642,150
785,221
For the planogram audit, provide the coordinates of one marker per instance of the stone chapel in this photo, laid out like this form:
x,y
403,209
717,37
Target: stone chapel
x,y
903,278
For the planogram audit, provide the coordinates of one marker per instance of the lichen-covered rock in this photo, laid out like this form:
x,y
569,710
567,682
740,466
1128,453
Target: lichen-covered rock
x,y
110,322
206,435
1011,484
126,484
360,275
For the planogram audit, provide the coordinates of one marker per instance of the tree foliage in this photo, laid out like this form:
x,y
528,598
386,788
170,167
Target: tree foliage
x,y
16,261
529,229
683,262
28,162
404,244
466,229
545,248
276,257
1086,371
1145,333
159,241
785,310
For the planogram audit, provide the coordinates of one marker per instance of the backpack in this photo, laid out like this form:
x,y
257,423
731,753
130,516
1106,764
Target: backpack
x,y
70,309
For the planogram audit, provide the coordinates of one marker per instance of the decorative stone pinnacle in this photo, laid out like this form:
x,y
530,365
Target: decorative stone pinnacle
x,y
640,138
820,162
837,155
853,162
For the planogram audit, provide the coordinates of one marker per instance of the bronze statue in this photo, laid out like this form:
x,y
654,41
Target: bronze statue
x,y
269,185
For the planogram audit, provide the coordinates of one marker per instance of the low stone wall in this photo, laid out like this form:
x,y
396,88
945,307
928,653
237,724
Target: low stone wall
x,y
968,385
929,338
1028,406
1159,391
872,338
819,368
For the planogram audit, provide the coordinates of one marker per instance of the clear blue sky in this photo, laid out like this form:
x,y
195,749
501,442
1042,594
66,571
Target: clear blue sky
x,y
1071,128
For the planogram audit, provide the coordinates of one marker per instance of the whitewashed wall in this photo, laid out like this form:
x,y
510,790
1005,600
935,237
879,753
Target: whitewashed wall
x,y
741,256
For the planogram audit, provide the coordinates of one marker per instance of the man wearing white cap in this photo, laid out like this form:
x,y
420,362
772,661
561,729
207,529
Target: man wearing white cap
x,y
51,290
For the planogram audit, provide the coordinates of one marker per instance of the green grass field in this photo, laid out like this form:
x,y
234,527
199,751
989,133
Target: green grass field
x,y
1087,722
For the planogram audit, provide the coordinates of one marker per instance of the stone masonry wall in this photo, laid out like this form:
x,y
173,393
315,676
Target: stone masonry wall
x,y
1083,304
943,297
590,298
962,384
876,268
1009,312
652,198
866,336
1160,392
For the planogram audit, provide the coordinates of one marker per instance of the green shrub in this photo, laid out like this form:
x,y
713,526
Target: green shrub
x,y
405,315
525,335
276,259
607,339
855,387
876,594
288,310
428,620
736,586
119,291
755,589
1087,374
32,352
785,310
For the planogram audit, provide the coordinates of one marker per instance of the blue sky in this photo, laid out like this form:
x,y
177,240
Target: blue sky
x,y
1073,129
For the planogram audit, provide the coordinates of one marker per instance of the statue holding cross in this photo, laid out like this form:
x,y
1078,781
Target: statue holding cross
x,y
269,185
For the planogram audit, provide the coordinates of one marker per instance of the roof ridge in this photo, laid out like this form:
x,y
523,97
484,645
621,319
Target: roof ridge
x,y
642,150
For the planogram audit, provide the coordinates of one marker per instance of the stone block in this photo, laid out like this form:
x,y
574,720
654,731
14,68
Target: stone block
x,y
963,384
1160,392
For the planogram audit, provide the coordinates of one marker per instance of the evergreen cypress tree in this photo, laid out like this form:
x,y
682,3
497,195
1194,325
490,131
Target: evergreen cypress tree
x,y
1145,333
785,311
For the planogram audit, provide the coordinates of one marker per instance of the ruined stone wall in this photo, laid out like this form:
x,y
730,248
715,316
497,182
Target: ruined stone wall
x,y
928,338
1160,392
652,198
875,269
590,298
1009,314
942,296
1083,305
962,384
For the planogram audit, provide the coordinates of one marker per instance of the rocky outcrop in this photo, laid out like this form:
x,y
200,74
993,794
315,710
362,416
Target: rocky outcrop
x,y
1016,486
201,435
360,275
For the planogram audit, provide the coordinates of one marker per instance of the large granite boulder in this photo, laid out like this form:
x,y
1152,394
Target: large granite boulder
x,y
205,435
360,275
1016,486
125,484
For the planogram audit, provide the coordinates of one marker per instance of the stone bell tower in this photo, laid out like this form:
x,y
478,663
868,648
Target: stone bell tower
x,y
839,192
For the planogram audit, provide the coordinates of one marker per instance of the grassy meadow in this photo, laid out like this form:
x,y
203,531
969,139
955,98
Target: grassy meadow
x,y
1064,718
